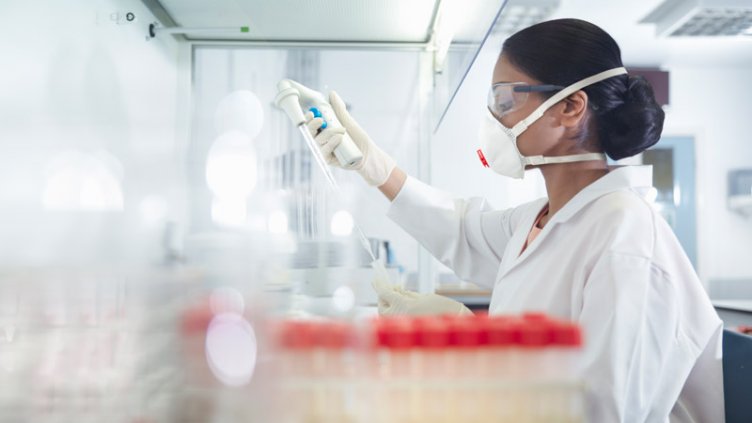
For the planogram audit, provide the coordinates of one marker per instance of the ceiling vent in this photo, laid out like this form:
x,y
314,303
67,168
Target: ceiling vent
x,y
520,14
707,18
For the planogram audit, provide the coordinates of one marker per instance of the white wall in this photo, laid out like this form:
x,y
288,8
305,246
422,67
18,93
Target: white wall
x,y
712,104
73,81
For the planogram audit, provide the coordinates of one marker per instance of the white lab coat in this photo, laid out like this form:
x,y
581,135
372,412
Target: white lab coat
x,y
606,260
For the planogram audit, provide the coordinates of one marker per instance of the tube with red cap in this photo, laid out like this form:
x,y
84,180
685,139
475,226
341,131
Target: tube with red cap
x,y
435,368
397,344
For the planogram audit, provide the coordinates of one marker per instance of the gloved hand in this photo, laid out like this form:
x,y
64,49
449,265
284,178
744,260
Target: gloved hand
x,y
394,299
376,165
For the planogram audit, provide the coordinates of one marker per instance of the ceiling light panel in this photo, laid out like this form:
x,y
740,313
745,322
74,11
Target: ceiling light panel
x,y
707,18
294,20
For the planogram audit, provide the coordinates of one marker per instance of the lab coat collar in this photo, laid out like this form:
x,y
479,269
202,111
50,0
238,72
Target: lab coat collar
x,y
636,178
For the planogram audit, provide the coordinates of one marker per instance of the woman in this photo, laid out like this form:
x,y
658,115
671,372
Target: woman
x,y
594,251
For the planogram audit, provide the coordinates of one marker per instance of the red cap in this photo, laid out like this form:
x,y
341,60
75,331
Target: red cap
x,y
432,332
465,332
396,333
535,334
482,158
567,334
503,331
482,315
536,317
336,335
296,334
196,319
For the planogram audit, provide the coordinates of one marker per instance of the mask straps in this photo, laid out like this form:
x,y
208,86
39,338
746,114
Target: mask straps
x,y
561,95
541,160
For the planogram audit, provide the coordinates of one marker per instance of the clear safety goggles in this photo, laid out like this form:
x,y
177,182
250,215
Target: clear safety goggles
x,y
507,97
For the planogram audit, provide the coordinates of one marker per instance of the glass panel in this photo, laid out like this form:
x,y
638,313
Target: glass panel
x,y
292,199
476,20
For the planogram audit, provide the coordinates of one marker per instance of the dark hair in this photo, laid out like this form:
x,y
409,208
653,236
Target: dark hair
x,y
561,52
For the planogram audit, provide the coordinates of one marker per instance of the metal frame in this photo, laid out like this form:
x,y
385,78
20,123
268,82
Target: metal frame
x,y
164,19
340,45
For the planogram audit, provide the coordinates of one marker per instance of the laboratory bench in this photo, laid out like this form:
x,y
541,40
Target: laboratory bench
x,y
474,297
734,313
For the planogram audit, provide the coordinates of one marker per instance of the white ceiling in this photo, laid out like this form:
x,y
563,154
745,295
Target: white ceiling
x,y
296,20
639,44
410,21
328,20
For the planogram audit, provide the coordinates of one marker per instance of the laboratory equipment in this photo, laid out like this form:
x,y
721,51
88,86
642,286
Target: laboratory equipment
x,y
156,344
323,269
430,369
291,98
294,97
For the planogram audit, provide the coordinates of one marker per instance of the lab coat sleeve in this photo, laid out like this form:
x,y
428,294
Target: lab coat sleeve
x,y
636,357
466,235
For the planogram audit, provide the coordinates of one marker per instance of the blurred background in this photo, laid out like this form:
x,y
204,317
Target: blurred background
x,y
148,183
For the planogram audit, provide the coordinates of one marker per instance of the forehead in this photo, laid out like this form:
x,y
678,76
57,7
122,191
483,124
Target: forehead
x,y
505,71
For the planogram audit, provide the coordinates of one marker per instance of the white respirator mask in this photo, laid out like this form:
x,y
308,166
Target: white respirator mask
x,y
499,144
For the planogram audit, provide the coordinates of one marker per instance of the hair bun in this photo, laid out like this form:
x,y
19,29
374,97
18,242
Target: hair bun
x,y
635,125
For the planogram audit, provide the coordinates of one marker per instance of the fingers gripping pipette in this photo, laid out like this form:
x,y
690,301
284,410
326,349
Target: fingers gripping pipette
x,y
294,97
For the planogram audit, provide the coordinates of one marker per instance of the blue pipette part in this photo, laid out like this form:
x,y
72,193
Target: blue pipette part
x,y
317,114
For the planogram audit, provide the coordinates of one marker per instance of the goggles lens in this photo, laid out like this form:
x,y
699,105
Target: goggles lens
x,y
507,97
503,99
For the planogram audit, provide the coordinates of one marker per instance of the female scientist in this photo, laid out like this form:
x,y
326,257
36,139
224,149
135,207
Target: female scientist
x,y
594,251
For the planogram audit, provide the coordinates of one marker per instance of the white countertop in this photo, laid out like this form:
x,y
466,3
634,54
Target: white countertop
x,y
740,305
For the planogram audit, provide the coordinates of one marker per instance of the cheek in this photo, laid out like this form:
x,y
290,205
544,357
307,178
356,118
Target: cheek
x,y
536,140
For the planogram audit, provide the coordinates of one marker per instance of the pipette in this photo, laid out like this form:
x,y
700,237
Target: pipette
x,y
291,97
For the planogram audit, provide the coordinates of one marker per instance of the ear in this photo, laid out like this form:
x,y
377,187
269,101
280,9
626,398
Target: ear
x,y
572,109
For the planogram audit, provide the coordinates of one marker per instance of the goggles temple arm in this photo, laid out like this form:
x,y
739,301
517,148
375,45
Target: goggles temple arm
x,y
537,88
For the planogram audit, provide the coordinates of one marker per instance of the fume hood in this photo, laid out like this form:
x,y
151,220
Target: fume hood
x,y
397,64
449,32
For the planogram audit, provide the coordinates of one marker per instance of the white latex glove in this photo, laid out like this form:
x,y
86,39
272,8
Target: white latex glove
x,y
394,300
376,165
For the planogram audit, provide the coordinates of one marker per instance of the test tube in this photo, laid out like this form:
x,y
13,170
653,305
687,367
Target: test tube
x,y
433,349
466,339
535,341
397,342
501,364
437,369
297,369
567,345
337,340
535,338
